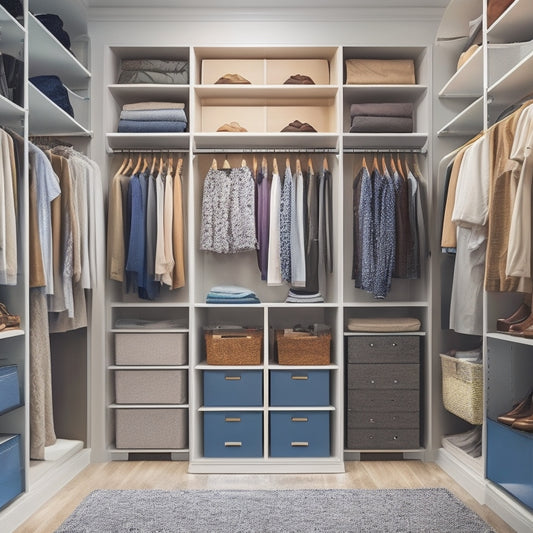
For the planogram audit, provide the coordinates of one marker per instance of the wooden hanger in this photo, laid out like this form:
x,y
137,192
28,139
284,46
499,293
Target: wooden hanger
x,y
226,164
123,165
138,165
298,166
161,164
154,161
254,165
325,163
264,165
392,164
170,169
145,163
275,166
384,165
363,162
179,166
417,171
287,163
375,164
243,163
214,165
400,168
310,166
406,164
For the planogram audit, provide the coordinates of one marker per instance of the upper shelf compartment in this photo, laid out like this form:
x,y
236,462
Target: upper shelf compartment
x,y
454,23
514,25
467,82
13,35
47,56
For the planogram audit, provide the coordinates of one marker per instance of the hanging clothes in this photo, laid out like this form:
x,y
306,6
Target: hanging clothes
x,y
297,237
263,185
178,230
285,222
274,263
311,251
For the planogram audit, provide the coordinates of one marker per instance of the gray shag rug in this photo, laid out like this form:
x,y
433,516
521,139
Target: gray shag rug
x,y
273,511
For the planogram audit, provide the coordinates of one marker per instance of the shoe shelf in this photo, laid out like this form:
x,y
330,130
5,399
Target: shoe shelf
x,y
468,122
513,25
467,82
13,35
124,93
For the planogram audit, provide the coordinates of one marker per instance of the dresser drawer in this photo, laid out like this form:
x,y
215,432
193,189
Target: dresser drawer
x,y
368,419
233,388
299,388
384,400
383,376
382,439
233,434
299,434
386,349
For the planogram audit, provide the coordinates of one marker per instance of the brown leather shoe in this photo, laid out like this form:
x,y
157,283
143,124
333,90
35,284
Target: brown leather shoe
x,y
522,409
299,79
524,424
521,314
231,79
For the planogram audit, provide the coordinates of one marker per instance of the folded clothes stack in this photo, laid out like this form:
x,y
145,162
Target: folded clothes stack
x,y
231,294
158,71
475,355
381,118
302,296
469,442
153,117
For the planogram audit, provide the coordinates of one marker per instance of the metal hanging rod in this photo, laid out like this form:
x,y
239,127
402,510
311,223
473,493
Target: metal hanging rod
x,y
385,150
265,150
145,151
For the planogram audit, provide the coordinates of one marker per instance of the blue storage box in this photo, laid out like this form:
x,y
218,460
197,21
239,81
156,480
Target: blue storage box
x,y
299,434
11,471
233,434
233,388
299,388
510,460
9,388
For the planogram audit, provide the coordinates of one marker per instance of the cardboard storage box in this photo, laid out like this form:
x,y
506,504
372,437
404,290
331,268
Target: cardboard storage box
x,y
151,348
151,386
160,429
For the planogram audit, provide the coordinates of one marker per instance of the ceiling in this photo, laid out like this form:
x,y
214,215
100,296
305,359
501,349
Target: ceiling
x,y
248,4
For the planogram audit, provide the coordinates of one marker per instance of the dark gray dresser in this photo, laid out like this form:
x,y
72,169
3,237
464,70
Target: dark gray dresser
x,y
383,392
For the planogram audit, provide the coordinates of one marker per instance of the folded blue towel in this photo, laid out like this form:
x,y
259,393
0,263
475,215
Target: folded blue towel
x,y
155,114
230,291
151,126
248,300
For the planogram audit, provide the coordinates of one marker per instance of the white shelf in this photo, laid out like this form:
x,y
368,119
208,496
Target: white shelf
x,y
454,22
510,338
148,305
13,35
54,455
149,330
514,85
46,118
468,122
276,366
301,408
119,451
377,93
266,94
272,305
383,334
178,142
218,141
232,408
386,303
124,93
148,406
11,333
514,25
473,463
10,111
205,366
148,367
47,55
467,82
383,141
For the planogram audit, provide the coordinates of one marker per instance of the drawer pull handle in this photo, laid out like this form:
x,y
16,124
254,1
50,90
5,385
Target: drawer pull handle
x,y
395,437
395,381
233,444
232,419
371,344
300,444
372,381
232,378
299,419
372,421
371,437
300,377
395,344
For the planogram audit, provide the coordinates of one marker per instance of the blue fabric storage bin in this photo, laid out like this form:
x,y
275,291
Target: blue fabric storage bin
x,y
233,434
11,471
9,388
299,388
233,388
299,434
510,460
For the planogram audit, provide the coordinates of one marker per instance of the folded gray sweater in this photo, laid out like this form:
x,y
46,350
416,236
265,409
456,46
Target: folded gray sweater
x,y
392,109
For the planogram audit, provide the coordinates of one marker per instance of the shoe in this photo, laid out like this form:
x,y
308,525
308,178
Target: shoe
x,y
299,79
526,326
524,424
522,409
232,127
521,314
298,127
231,79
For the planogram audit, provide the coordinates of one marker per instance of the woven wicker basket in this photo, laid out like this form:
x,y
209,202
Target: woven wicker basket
x,y
304,350
462,388
241,347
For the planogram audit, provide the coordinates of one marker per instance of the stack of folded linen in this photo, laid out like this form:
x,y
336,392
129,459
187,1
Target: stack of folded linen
x,y
153,117
158,71
231,294
303,296
381,118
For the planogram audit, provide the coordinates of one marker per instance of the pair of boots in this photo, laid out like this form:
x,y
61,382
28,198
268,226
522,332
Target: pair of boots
x,y
521,415
520,323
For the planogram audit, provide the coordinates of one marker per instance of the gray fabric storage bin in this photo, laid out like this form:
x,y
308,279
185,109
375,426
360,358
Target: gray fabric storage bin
x,y
383,376
151,348
383,439
376,420
384,349
151,428
151,386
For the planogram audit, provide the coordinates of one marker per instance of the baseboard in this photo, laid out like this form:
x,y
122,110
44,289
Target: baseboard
x,y
42,490
472,481
519,517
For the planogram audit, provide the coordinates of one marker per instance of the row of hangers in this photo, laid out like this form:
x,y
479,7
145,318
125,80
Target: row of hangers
x,y
131,166
396,165
226,165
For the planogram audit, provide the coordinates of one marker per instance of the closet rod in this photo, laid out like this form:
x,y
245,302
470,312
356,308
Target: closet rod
x,y
146,151
265,150
385,150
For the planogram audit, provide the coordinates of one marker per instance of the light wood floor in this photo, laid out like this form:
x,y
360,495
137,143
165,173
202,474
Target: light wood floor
x,y
173,475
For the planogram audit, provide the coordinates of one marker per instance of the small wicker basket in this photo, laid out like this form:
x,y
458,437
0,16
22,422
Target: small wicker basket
x,y
462,388
234,347
304,349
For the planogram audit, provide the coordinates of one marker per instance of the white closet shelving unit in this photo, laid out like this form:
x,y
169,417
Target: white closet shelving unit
x,y
500,69
42,54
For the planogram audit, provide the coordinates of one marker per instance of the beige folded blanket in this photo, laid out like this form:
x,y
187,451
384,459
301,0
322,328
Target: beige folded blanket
x,y
380,71
140,106
383,325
